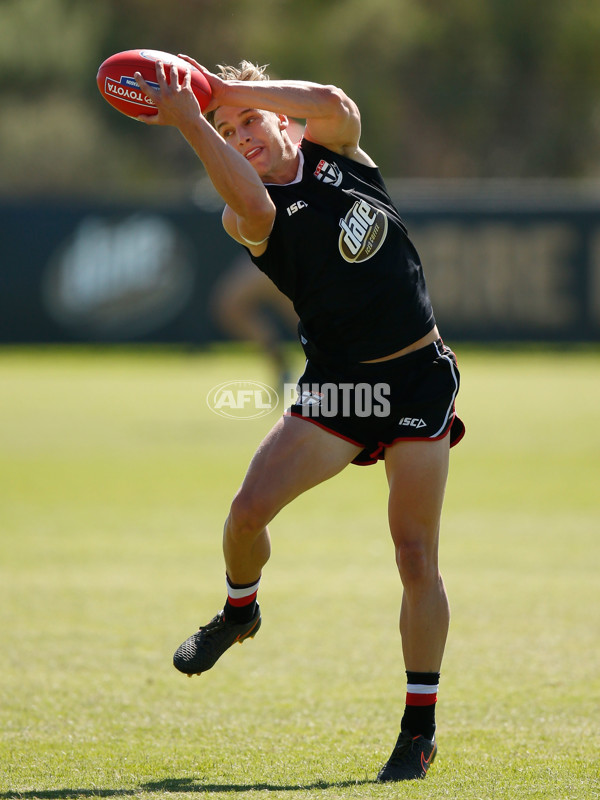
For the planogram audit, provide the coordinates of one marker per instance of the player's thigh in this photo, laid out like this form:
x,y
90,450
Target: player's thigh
x,y
417,472
294,457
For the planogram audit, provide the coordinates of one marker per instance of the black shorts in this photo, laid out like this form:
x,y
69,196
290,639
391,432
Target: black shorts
x,y
375,405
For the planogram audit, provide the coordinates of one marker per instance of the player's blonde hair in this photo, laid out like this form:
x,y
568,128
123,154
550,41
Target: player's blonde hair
x,y
247,71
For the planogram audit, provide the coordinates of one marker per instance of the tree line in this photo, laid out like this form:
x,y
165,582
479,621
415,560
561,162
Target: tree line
x,y
459,89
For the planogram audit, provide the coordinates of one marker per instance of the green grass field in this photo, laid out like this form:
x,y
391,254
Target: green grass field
x,y
115,479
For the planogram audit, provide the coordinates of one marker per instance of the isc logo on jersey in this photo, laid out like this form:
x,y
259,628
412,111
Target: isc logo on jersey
x,y
364,229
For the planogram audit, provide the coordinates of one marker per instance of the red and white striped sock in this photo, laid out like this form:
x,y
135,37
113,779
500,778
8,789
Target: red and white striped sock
x,y
241,601
421,697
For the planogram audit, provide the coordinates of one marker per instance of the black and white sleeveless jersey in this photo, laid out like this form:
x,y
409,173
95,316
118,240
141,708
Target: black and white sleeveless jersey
x,y
340,251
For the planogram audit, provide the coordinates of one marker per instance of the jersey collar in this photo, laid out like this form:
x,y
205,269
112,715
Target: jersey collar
x,y
298,177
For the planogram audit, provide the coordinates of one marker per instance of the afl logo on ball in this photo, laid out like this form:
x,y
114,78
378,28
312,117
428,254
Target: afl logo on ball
x,y
363,232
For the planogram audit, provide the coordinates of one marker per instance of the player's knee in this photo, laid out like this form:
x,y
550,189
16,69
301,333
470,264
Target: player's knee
x,y
416,563
248,515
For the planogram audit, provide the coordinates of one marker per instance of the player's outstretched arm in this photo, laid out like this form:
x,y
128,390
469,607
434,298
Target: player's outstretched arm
x,y
232,176
332,118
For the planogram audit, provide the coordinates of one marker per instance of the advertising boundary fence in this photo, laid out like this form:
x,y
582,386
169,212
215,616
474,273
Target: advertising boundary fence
x,y
501,266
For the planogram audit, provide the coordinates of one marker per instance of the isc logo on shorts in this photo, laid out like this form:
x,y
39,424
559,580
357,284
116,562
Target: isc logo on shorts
x,y
413,422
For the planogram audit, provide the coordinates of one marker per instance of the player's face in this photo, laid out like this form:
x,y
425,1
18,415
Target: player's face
x,y
253,133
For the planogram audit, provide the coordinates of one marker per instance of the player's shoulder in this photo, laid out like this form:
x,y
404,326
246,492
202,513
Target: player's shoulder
x,y
350,153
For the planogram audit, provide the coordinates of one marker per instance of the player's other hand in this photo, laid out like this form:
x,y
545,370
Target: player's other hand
x,y
218,86
175,102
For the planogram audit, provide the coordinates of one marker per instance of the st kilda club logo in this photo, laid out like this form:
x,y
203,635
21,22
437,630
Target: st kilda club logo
x,y
328,172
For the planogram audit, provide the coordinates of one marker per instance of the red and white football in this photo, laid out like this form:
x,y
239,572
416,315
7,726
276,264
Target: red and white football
x,y
119,88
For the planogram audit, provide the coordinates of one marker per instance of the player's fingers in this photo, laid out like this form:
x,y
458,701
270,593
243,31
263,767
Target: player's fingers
x,y
148,119
174,78
193,62
144,85
185,82
160,75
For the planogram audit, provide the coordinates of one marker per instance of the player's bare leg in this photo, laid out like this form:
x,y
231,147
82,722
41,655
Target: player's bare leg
x,y
417,474
295,456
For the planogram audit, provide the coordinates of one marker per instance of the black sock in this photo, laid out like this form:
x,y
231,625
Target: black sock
x,y
421,697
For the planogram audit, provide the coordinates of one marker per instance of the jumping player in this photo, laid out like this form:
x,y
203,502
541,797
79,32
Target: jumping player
x,y
379,382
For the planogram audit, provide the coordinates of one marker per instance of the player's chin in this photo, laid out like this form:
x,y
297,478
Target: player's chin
x,y
259,172
260,166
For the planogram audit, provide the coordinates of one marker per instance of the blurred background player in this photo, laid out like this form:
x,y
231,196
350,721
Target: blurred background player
x,y
247,305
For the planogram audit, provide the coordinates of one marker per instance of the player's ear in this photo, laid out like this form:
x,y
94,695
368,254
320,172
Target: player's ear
x,y
283,121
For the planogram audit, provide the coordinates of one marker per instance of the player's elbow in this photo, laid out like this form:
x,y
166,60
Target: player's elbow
x,y
260,217
338,104
255,228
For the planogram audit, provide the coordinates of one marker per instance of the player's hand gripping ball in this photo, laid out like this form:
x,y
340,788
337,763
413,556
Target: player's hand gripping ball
x,y
119,88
